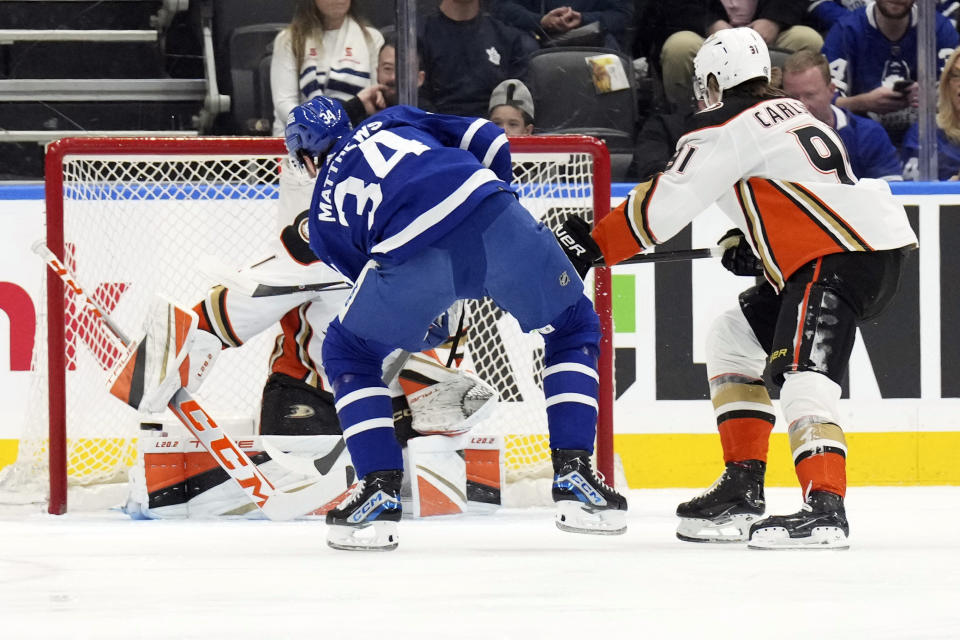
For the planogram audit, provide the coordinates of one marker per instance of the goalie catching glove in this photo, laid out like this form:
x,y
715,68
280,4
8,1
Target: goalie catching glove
x,y
575,240
738,256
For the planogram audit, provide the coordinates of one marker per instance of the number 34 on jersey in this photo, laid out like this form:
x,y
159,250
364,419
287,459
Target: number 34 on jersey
x,y
382,150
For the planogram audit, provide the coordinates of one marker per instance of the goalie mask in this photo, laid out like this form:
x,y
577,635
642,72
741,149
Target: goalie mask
x,y
732,56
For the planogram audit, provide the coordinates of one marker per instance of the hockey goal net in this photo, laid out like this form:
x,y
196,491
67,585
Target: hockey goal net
x,y
133,217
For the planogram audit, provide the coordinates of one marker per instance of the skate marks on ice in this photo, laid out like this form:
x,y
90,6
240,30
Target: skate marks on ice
x,y
515,575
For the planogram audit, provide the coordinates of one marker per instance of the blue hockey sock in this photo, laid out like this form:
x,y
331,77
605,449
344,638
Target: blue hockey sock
x,y
366,417
570,384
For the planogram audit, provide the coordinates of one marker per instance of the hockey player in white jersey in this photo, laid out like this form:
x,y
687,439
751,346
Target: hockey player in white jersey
x,y
416,208
830,245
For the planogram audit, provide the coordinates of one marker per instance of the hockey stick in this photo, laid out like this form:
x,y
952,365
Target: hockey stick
x,y
274,503
669,256
245,285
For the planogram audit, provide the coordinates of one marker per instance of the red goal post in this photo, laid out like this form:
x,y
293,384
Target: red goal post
x,y
264,154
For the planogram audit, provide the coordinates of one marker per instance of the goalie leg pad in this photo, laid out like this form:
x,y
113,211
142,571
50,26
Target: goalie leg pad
x,y
176,478
172,354
438,476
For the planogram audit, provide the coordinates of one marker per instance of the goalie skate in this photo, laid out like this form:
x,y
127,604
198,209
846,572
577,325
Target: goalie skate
x,y
585,504
725,511
820,524
367,520
173,353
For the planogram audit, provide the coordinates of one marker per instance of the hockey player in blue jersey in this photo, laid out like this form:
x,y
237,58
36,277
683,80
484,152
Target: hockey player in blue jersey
x,y
416,209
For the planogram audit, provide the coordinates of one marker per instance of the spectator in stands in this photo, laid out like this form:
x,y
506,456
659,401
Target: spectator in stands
x,y
873,59
777,22
511,108
823,14
466,53
948,127
806,77
379,96
548,19
327,51
656,24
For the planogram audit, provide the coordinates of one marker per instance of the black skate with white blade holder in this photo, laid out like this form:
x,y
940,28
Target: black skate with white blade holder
x,y
725,511
367,519
585,503
820,524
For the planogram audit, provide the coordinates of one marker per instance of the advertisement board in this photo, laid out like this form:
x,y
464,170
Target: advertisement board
x,y
901,400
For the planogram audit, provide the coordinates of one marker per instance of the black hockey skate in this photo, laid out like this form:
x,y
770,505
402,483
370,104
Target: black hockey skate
x,y
585,504
724,512
820,524
367,519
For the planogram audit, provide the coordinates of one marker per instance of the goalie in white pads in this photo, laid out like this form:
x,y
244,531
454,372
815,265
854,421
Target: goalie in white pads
x,y
297,418
831,246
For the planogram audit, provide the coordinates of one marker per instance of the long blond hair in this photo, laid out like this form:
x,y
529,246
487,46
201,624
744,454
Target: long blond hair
x,y
947,117
308,21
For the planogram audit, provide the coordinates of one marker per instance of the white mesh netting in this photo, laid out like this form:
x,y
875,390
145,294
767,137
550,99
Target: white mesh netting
x,y
136,224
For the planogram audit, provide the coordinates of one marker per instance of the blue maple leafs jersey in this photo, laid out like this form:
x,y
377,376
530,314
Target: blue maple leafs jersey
x,y
402,180
861,58
948,155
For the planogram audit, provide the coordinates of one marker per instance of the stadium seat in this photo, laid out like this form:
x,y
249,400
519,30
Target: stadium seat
x,y
566,100
251,106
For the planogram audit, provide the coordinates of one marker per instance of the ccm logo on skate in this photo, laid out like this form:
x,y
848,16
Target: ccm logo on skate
x,y
580,483
377,501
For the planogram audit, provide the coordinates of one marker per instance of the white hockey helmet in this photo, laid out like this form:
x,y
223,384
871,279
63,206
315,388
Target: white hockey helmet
x,y
732,56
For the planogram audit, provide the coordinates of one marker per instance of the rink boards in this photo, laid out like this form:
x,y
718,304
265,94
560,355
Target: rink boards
x,y
901,404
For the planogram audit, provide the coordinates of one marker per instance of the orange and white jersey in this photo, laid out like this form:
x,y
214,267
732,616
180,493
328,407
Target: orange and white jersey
x,y
782,176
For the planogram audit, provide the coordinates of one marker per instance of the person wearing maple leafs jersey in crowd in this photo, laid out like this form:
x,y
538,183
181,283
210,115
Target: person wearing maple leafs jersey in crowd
x,y
873,61
466,54
831,248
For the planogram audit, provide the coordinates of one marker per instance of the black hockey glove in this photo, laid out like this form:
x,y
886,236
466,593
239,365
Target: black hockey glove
x,y
738,256
575,240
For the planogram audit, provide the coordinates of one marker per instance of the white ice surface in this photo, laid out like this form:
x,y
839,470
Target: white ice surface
x,y
513,575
